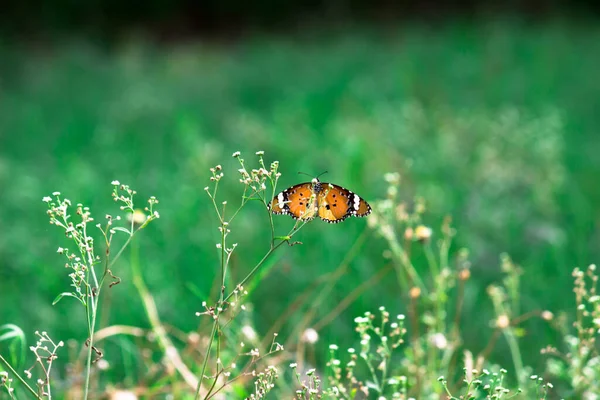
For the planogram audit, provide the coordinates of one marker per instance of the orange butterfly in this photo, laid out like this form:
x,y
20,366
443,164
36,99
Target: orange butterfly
x,y
332,203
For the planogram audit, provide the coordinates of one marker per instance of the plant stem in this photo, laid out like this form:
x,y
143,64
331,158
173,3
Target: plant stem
x,y
19,377
171,353
91,327
206,356
260,263
515,353
92,311
399,252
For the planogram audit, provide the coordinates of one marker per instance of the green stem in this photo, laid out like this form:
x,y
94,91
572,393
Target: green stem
x,y
409,268
435,271
116,257
374,376
224,263
206,356
92,312
19,377
170,351
91,327
260,263
216,322
438,282
212,387
515,353
385,369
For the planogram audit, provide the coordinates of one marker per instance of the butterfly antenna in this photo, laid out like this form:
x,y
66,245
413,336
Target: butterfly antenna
x,y
318,176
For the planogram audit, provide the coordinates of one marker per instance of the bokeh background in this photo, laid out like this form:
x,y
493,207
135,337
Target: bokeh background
x,y
490,114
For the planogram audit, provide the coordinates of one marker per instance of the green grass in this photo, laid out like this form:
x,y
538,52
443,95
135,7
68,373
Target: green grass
x,y
495,124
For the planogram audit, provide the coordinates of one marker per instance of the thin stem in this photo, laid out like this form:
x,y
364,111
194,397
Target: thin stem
x,y
223,268
445,386
373,375
332,280
488,349
206,356
435,270
218,334
19,377
116,257
91,308
90,343
408,267
417,351
213,197
438,282
167,346
515,353
215,323
225,258
455,330
260,263
384,372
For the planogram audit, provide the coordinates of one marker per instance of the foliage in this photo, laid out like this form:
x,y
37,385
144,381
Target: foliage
x,y
493,124
422,356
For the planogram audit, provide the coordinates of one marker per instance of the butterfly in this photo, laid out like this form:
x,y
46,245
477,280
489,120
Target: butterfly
x,y
332,203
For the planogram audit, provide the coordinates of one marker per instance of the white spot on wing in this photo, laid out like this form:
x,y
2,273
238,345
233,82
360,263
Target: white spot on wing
x,y
356,202
280,200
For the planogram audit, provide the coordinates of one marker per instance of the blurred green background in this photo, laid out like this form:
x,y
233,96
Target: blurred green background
x,y
493,121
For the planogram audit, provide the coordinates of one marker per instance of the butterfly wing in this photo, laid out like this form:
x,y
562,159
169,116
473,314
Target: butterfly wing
x,y
337,203
297,201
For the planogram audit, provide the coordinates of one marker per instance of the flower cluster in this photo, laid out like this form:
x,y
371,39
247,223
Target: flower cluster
x,y
391,215
257,178
84,258
580,362
232,305
6,382
378,338
264,383
310,388
45,354
124,194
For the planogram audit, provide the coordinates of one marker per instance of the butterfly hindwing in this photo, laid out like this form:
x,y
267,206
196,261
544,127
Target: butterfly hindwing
x,y
297,201
337,203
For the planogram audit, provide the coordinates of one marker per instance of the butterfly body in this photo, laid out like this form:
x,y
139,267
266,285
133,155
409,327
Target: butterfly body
x,y
331,203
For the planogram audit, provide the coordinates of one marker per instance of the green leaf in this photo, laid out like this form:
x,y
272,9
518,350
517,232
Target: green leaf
x,y
196,291
119,228
67,294
373,385
17,342
12,331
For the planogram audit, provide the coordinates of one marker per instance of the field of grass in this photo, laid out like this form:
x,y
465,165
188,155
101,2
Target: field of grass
x,y
494,124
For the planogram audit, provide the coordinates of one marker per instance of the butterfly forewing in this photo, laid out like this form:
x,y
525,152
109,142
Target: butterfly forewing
x,y
297,201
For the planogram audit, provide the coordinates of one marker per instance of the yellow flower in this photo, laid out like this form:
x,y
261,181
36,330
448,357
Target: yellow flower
x,y
423,233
